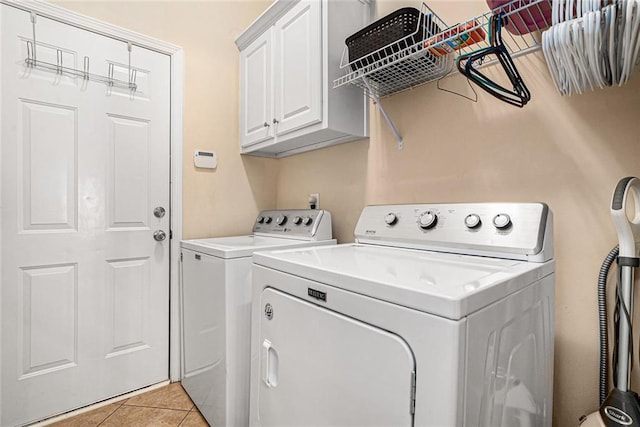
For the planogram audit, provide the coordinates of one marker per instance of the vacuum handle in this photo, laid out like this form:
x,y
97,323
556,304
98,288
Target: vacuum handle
x,y
620,193
628,230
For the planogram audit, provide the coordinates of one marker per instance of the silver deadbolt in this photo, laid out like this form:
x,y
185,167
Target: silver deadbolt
x,y
159,212
159,235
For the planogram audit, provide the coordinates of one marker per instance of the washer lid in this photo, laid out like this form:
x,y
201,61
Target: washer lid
x,y
447,285
244,246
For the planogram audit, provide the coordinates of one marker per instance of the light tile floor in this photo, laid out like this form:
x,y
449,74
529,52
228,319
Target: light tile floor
x,y
168,406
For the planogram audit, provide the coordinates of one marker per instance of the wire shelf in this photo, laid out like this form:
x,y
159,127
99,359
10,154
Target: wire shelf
x,y
403,64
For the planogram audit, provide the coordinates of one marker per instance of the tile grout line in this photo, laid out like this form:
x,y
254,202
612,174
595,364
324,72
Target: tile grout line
x,y
157,407
184,418
107,417
148,407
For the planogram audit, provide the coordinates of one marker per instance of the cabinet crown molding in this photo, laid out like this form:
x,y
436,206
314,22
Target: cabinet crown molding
x,y
264,21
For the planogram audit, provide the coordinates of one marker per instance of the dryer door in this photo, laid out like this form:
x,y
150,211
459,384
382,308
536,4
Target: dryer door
x,y
320,368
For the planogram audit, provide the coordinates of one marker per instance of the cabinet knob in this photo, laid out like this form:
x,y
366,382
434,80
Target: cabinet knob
x,y
266,124
275,122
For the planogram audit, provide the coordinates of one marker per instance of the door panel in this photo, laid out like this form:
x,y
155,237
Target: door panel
x,y
42,350
299,53
84,284
320,368
128,172
127,291
48,171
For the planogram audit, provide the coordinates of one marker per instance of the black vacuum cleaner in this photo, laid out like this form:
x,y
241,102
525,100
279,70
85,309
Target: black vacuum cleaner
x,y
619,407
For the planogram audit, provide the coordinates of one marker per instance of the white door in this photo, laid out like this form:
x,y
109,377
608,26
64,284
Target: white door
x,y
256,88
299,67
319,368
84,284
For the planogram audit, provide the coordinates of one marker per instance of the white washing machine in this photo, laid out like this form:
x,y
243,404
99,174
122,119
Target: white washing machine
x,y
439,315
216,308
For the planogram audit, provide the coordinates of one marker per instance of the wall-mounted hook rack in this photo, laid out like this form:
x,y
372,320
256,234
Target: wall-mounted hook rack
x,y
84,74
32,62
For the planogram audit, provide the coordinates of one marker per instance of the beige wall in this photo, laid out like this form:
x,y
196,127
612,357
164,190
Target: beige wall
x,y
217,202
566,151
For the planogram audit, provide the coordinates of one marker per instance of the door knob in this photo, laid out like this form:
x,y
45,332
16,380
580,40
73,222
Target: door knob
x,y
159,235
159,212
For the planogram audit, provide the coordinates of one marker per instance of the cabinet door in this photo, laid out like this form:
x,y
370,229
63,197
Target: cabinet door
x,y
299,67
256,89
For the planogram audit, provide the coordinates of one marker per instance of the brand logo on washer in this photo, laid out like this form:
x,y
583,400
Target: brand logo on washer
x,y
268,311
615,414
369,231
313,293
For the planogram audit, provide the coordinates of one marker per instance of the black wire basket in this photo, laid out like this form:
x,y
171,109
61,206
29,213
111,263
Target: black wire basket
x,y
397,31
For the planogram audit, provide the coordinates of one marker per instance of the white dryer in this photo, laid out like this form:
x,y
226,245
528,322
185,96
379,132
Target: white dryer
x,y
439,315
216,308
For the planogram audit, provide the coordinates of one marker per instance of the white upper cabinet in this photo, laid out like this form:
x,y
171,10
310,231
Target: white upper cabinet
x,y
299,62
257,90
289,58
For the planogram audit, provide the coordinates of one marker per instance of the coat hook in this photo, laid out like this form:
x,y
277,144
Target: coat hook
x,y
132,74
33,26
58,61
110,82
86,68
30,60
132,83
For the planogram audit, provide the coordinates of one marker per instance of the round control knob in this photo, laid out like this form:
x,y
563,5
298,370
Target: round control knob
x,y
306,220
391,218
297,220
427,220
281,219
472,221
260,219
267,220
502,221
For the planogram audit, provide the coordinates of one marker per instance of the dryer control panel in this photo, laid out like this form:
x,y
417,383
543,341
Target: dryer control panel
x,y
504,230
308,224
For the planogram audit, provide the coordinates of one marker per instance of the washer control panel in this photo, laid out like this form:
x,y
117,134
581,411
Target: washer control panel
x,y
517,229
295,223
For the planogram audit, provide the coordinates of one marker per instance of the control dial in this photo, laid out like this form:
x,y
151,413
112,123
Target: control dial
x,y
472,221
297,220
427,220
306,220
267,220
391,219
502,221
281,219
260,219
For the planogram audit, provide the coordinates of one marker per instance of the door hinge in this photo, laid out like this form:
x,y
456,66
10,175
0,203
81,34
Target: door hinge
x,y
170,234
412,403
181,258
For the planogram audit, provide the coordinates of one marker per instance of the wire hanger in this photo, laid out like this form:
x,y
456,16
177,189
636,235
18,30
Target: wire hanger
x,y
519,95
